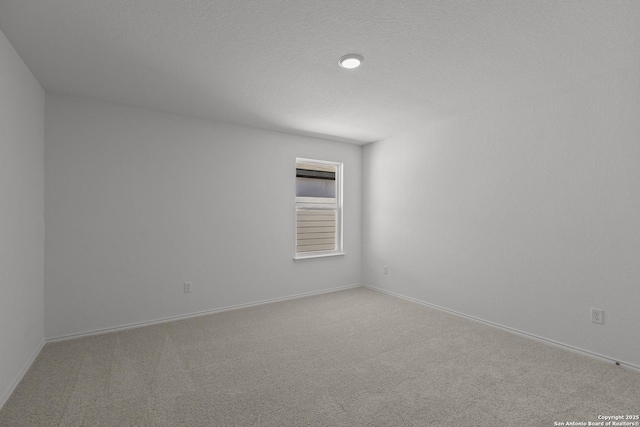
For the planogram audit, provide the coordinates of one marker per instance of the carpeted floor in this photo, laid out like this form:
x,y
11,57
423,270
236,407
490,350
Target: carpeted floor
x,y
349,358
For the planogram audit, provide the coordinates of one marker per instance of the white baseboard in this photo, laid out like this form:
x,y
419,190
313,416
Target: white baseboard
x,y
587,353
196,314
8,392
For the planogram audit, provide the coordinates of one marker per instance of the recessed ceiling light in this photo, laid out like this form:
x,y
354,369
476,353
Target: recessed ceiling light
x,y
350,61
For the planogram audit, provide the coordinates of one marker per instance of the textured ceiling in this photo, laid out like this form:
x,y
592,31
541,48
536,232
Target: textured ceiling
x,y
272,63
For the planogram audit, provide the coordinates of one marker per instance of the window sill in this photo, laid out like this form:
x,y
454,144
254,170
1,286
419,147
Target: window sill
x,y
302,257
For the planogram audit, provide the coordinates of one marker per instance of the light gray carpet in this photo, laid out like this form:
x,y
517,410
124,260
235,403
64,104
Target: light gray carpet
x,y
350,358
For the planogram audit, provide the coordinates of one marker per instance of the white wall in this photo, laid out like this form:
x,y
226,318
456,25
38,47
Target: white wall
x,y
21,217
525,215
138,202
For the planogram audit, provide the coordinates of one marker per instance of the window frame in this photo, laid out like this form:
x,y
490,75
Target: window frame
x,y
339,250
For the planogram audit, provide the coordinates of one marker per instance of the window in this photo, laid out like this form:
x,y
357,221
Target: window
x,y
318,208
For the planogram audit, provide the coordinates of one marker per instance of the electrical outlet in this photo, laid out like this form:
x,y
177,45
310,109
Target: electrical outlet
x,y
187,287
597,315
385,269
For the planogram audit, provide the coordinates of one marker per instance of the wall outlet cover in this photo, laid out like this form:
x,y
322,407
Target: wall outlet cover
x,y
597,315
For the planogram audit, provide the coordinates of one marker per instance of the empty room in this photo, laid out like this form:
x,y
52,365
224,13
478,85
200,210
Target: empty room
x,y
319,213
